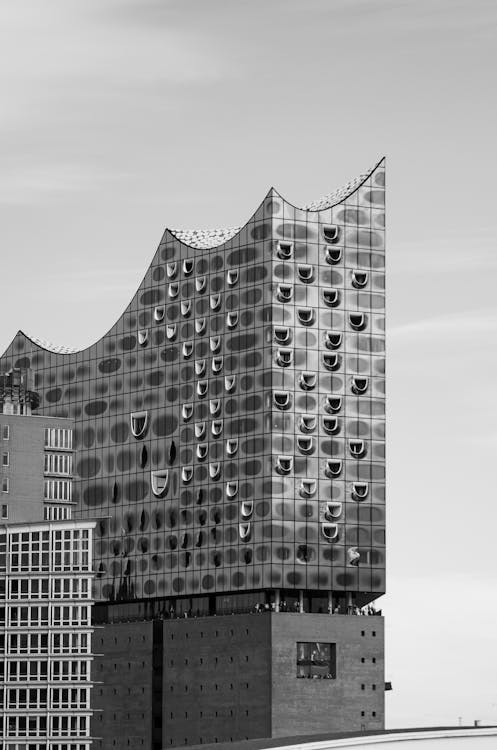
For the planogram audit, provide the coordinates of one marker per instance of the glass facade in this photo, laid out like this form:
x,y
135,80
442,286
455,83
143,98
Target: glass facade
x,y
230,427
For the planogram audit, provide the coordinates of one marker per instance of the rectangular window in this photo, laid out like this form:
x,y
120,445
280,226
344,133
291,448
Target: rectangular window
x,y
5,484
58,489
5,459
6,432
316,661
58,438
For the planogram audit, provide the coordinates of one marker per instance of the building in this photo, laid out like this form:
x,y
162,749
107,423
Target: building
x,y
37,455
230,437
45,638
45,581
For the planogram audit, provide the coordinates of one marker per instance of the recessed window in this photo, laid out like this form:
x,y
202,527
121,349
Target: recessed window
x,y
284,357
333,509
232,276
200,326
360,491
305,273
357,448
160,481
231,489
215,302
308,488
333,340
358,321
139,422
244,531
217,364
316,660
159,313
232,446
284,292
308,422
333,255
333,404
202,386
187,349
330,531
359,384
359,279
143,337
186,474
217,427
215,343
232,319
306,316
283,464
247,508
171,331
214,406
306,445
186,307
5,511
229,383
199,367
215,470
171,270
331,297
332,362
173,290
282,334
282,400
284,250
308,380
188,264
5,459
200,430
201,284
202,451
6,432
331,425
331,233
187,412
333,468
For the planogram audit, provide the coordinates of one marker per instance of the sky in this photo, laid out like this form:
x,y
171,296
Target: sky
x,y
121,117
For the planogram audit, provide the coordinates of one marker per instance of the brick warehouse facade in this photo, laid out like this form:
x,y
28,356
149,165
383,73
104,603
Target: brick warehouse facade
x,y
229,433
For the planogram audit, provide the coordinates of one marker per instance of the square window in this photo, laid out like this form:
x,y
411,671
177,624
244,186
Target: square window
x,y
316,660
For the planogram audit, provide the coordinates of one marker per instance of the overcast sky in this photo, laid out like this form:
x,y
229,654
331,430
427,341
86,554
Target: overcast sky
x,y
122,117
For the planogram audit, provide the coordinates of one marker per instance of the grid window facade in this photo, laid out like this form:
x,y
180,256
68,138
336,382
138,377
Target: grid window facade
x,y
46,639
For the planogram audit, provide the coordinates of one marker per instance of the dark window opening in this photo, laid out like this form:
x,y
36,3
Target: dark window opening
x,y
316,660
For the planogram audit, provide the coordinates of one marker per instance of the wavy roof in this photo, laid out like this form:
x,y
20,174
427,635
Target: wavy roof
x,y
205,239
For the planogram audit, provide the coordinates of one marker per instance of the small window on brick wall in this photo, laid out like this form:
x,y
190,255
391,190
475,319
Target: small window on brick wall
x,y
316,660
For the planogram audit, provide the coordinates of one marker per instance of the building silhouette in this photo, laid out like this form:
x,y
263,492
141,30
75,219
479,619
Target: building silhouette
x,y
229,437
